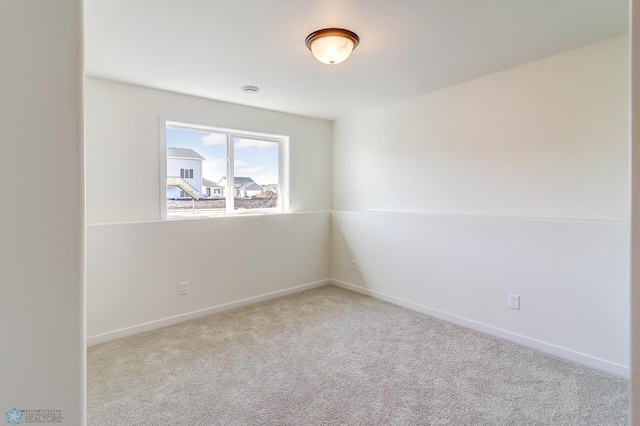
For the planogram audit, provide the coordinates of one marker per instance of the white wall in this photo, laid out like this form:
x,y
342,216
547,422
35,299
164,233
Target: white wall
x,y
41,236
136,262
123,146
516,182
134,270
635,236
548,139
572,276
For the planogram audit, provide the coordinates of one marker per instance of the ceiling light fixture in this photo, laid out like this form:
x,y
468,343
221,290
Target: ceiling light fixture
x,y
332,45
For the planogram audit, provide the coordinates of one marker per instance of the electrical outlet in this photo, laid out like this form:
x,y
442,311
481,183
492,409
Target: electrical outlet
x,y
514,302
184,287
353,264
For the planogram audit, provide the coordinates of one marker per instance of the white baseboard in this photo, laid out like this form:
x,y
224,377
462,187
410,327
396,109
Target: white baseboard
x,y
153,325
580,358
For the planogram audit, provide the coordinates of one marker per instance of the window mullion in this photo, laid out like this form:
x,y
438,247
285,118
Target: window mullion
x,y
230,177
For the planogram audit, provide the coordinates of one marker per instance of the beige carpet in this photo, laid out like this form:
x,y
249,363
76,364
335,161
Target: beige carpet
x,y
333,357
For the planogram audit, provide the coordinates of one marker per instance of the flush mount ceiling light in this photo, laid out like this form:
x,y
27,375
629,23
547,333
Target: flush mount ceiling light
x,y
332,45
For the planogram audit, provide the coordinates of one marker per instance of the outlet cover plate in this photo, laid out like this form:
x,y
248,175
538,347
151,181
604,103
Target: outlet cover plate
x,y
514,302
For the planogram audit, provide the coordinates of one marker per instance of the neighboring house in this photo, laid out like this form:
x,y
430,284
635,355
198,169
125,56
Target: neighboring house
x,y
248,189
273,187
243,187
211,189
184,165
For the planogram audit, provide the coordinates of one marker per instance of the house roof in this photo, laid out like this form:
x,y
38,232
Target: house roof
x,y
251,186
210,183
240,182
183,153
237,180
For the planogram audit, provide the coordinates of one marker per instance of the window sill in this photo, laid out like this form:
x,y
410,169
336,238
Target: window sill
x,y
239,213
178,219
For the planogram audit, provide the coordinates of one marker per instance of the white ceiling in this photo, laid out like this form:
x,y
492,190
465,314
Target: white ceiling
x,y
210,48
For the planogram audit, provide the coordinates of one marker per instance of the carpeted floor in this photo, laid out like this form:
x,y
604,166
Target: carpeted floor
x,y
329,356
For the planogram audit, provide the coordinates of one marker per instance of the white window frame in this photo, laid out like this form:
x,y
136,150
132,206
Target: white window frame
x,y
186,173
284,198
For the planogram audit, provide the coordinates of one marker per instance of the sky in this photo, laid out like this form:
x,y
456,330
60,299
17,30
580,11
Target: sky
x,y
253,158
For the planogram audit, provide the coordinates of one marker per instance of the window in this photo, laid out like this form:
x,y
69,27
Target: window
x,y
212,171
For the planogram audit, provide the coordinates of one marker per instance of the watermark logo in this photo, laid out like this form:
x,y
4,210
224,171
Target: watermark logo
x,y
14,416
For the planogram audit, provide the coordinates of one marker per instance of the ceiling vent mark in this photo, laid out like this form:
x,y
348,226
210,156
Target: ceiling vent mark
x,y
250,89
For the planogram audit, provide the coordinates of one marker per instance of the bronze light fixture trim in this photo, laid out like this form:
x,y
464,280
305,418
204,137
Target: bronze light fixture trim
x,y
332,45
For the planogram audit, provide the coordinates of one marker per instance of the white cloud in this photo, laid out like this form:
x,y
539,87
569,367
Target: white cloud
x,y
214,139
246,168
258,173
214,169
250,143
265,177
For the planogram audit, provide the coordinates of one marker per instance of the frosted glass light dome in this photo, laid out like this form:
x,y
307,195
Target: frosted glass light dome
x,y
332,45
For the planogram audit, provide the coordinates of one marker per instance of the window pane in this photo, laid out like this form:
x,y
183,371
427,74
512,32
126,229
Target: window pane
x,y
256,173
196,164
